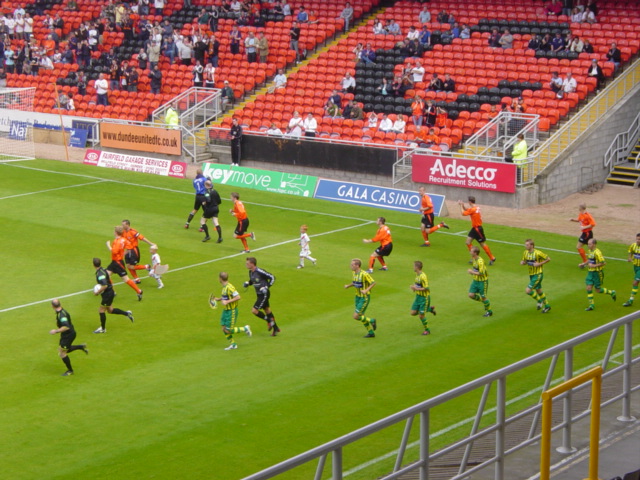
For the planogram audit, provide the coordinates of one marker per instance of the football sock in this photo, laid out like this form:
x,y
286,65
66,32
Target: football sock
x,y
469,246
190,218
606,291
634,290
534,295
487,304
244,243
205,229
140,267
435,228
310,258
382,262
425,235
117,311
582,254
366,321
486,248
424,322
133,285
103,320
262,316
372,260
219,230
133,272
229,337
590,298
543,298
238,330
67,362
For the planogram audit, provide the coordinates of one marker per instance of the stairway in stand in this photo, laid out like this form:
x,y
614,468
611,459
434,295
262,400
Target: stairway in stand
x,y
627,173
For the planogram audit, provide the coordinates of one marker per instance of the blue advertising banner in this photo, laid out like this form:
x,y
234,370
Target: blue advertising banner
x,y
85,125
389,198
77,137
18,130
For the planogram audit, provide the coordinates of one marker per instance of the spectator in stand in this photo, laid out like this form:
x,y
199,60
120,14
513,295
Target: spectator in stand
x,y
227,95
185,50
356,111
554,8
286,8
372,120
424,16
614,55
200,48
399,125
408,48
417,111
557,44
588,47
448,85
235,37
465,33
569,84
393,28
384,88
303,16
331,109
576,15
28,26
280,80
413,34
430,114
159,6
295,125
596,72
357,51
102,90
263,47
155,79
418,72
397,87
455,30
153,53
274,130
368,55
313,18
251,47
198,74
310,126
443,17
425,37
494,38
385,124
115,72
556,83
170,50
294,37
506,40
236,8
335,97
534,42
576,45
436,83
378,27
348,83
588,16
347,16
427,139
209,75
132,76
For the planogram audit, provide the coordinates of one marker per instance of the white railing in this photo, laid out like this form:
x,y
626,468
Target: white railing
x,y
622,145
417,457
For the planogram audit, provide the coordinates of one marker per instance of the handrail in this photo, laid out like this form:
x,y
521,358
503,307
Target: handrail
x,y
622,145
335,448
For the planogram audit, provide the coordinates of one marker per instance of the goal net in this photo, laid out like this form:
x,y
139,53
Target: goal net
x,y
16,129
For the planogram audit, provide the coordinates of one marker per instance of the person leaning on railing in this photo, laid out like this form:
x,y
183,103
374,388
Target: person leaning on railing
x,y
519,155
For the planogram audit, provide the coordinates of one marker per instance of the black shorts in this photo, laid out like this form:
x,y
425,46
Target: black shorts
x,y
67,338
427,220
132,257
210,212
477,233
107,297
198,202
117,268
242,227
262,301
585,237
385,251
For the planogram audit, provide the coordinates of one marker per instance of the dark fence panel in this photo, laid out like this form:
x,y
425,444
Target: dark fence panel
x,y
318,154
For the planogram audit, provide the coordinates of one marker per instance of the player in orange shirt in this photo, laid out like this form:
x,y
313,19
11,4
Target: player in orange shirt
x,y
587,223
476,232
117,257
383,235
240,213
132,252
427,226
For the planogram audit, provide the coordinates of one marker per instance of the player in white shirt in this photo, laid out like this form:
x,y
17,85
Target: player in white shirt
x,y
304,247
155,261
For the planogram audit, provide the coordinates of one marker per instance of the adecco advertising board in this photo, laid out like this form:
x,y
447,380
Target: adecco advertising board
x,y
458,172
135,137
135,163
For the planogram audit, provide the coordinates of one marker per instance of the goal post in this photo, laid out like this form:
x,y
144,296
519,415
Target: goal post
x,y
16,130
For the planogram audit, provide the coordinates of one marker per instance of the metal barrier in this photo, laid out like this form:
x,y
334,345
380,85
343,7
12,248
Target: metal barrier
x,y
195,107
496,138
622,146
334,450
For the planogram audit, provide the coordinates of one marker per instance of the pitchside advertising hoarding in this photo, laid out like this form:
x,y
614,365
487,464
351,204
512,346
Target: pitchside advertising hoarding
x,y
459,172
277,182
136,163
372,196
141,138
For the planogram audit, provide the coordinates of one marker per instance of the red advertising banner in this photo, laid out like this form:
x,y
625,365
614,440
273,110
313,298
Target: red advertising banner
x,y
458,172
134,163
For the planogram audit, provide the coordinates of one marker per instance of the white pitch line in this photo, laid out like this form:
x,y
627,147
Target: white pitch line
x,y
463,233
50,190
187,267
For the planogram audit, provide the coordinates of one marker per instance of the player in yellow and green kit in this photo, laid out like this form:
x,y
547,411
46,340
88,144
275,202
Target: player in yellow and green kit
x,y
422,302
480,283
634,257
595,276
229,299
363,283
535,259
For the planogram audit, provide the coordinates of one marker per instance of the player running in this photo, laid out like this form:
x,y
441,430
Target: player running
x,y
535,259
240,213
422,302
477,231
107,294
198,186
305,251
480,283
595,276
634,257
117,255
587,223
363,283
67,336
229,299
383,235
262,281
132,251
426,225
155,261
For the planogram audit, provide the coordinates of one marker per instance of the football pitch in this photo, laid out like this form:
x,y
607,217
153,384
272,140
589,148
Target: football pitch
x,y
161,398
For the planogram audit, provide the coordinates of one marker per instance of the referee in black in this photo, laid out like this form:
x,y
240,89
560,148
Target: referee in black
x,y
67,336
236,140
210,209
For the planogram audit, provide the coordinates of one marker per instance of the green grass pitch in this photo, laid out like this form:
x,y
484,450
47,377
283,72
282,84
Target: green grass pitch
x,y
160,398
